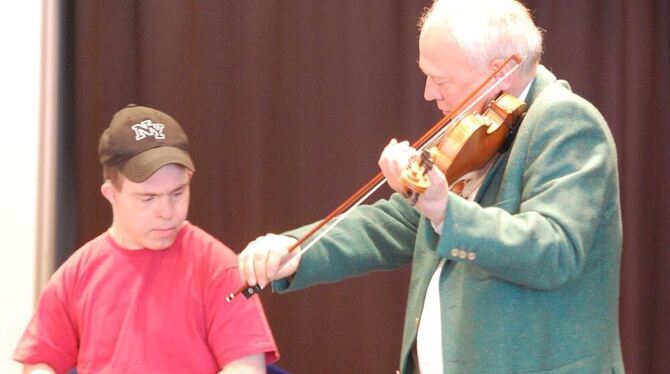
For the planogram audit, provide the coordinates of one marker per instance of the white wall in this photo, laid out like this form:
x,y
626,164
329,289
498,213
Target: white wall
x,y
20,40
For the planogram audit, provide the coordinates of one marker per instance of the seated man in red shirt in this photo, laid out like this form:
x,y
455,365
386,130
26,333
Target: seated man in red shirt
x,y
148,295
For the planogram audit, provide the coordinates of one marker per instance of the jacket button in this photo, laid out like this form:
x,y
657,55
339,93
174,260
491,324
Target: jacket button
x,y
454,252
472,256
462,254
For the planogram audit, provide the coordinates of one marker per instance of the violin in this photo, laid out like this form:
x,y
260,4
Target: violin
x,y
467,145
463,143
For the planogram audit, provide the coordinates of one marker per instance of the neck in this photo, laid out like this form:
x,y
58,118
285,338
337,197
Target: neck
x,y
521,82
120,239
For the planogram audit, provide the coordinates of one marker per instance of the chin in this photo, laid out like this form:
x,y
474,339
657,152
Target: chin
x,y
159,245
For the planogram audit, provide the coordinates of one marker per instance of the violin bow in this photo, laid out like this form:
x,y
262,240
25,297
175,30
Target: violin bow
x,y
343,210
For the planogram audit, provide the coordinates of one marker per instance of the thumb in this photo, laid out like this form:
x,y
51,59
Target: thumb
x,y
437,177
289,263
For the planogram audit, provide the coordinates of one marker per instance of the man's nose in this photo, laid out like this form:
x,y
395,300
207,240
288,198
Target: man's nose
x,y
165,207
431,92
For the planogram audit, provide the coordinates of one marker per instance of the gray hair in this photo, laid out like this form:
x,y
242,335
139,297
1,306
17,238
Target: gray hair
x,y
488,30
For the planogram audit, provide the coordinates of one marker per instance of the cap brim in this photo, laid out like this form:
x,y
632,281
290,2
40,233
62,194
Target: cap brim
x,y
142,166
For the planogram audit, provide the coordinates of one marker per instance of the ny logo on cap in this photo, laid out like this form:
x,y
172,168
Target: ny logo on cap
x,y
147,128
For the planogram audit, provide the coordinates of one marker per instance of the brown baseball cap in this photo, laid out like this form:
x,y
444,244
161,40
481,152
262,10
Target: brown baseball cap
x,y
140,140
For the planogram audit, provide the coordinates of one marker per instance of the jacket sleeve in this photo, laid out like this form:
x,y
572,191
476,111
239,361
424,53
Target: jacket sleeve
x,y
566,188
372,237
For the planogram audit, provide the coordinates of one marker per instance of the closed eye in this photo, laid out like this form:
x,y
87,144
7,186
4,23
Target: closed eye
x,y
147,198
179,190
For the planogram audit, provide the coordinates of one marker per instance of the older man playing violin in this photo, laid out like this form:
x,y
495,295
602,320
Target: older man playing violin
x,y
515,265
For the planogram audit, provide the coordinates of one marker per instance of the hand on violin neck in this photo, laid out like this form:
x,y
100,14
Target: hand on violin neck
x,y
267,258
432,203
394,159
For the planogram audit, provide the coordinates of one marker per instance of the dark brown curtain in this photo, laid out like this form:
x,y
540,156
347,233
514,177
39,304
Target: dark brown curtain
x,y
288,104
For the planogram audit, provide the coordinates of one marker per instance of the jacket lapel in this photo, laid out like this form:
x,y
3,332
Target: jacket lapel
x,y
542,79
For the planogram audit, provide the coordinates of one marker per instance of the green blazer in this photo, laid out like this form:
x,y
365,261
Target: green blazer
x,y
531,281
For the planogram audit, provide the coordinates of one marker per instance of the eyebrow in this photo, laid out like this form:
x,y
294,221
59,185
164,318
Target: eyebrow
x,y
181,187
438,77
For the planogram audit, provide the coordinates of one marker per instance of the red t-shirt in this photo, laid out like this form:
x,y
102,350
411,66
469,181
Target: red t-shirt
x,y
112,310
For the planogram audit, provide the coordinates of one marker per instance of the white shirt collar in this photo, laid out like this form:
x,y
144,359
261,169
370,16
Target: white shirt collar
x,y
525,91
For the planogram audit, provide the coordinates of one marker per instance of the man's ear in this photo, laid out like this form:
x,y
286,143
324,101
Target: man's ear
x,y
507,83
108,191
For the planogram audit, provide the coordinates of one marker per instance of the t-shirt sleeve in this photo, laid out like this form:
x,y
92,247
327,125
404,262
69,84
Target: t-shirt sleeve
x,y
237,328
50,337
